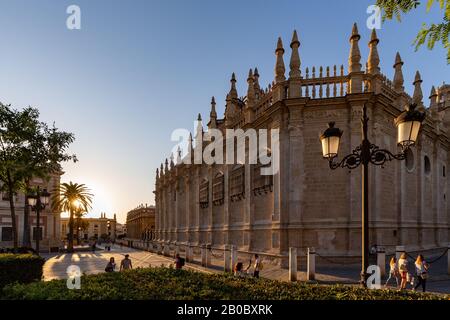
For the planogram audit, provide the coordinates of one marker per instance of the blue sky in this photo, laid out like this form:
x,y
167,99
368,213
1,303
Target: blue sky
x,y
137,70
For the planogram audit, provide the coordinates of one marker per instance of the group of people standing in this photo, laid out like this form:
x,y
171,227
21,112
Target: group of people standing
x,y
400,271
239,270
125,264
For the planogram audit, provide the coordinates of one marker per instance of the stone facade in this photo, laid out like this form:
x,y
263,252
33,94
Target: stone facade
x,y
141,223
96,228
306,204
49,220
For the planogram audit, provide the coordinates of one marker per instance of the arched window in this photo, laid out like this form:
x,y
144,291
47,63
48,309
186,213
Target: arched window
x,y
218,189
203,193
237,183
262,184
427,165
409,160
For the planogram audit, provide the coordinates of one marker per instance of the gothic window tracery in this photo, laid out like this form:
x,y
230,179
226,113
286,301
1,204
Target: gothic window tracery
x,y
218,189
262,184
204,194
237,184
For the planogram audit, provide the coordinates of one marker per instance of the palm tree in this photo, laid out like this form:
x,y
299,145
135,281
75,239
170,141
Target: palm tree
x,y
71,197
80,223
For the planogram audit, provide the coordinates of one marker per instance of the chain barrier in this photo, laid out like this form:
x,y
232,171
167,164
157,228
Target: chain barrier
x,y
430,261
217,255
438,258
335,262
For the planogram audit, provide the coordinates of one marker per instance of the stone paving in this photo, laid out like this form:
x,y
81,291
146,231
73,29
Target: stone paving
x,y
95,262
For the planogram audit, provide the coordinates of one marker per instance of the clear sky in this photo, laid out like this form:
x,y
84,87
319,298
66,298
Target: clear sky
x,y
139,69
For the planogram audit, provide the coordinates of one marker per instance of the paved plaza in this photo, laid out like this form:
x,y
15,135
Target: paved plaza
x,y
95,262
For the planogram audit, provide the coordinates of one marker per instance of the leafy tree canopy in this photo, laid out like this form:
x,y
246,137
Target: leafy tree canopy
x,y
428,34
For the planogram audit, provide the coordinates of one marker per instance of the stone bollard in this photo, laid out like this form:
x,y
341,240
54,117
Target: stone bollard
x,y
166,250
398,251
203,254
208,255
226,259
311,264
448,258
158,248
233,257
292,264
189,255
177,250
381,260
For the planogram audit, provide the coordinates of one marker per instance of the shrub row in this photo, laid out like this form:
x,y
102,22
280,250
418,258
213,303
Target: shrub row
x,y
168,284
21,268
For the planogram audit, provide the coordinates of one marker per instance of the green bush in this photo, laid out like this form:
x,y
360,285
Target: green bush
x,y
21,268
169,284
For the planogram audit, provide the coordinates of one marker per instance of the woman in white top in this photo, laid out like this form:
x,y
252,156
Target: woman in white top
x,y
403,269
421,272
393,271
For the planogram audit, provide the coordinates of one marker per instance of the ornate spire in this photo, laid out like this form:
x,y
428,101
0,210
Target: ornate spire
x,y
279,66
256,80
295,62
418,96
179,155
161,170
433,98
199,125
190,140
251,88
157,174
166,167
213,114
374,59
171,161
354,59
398,75
233,92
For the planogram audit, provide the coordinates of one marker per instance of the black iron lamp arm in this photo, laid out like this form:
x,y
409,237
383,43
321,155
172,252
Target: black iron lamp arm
x,y
380,156
351,161
377,157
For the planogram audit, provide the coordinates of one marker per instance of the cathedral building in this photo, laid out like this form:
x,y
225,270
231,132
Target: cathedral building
x,y
305,204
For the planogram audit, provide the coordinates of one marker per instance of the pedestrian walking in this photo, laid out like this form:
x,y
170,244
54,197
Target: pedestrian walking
x,y
403,269
257,267
421,272
393,272
111,266
179,262
239,269
125,264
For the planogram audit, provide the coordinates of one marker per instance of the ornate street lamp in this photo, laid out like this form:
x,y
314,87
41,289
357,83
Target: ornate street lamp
x,y
408,125
38,202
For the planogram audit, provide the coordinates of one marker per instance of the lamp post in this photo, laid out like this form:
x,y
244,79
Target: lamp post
x,y
408,125
38,202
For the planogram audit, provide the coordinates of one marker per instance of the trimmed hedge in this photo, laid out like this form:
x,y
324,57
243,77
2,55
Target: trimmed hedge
x,y
21,268
170,284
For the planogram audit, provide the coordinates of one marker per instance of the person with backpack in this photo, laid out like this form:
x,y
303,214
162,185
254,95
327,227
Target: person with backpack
x,y
421,272
111,266
179,262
